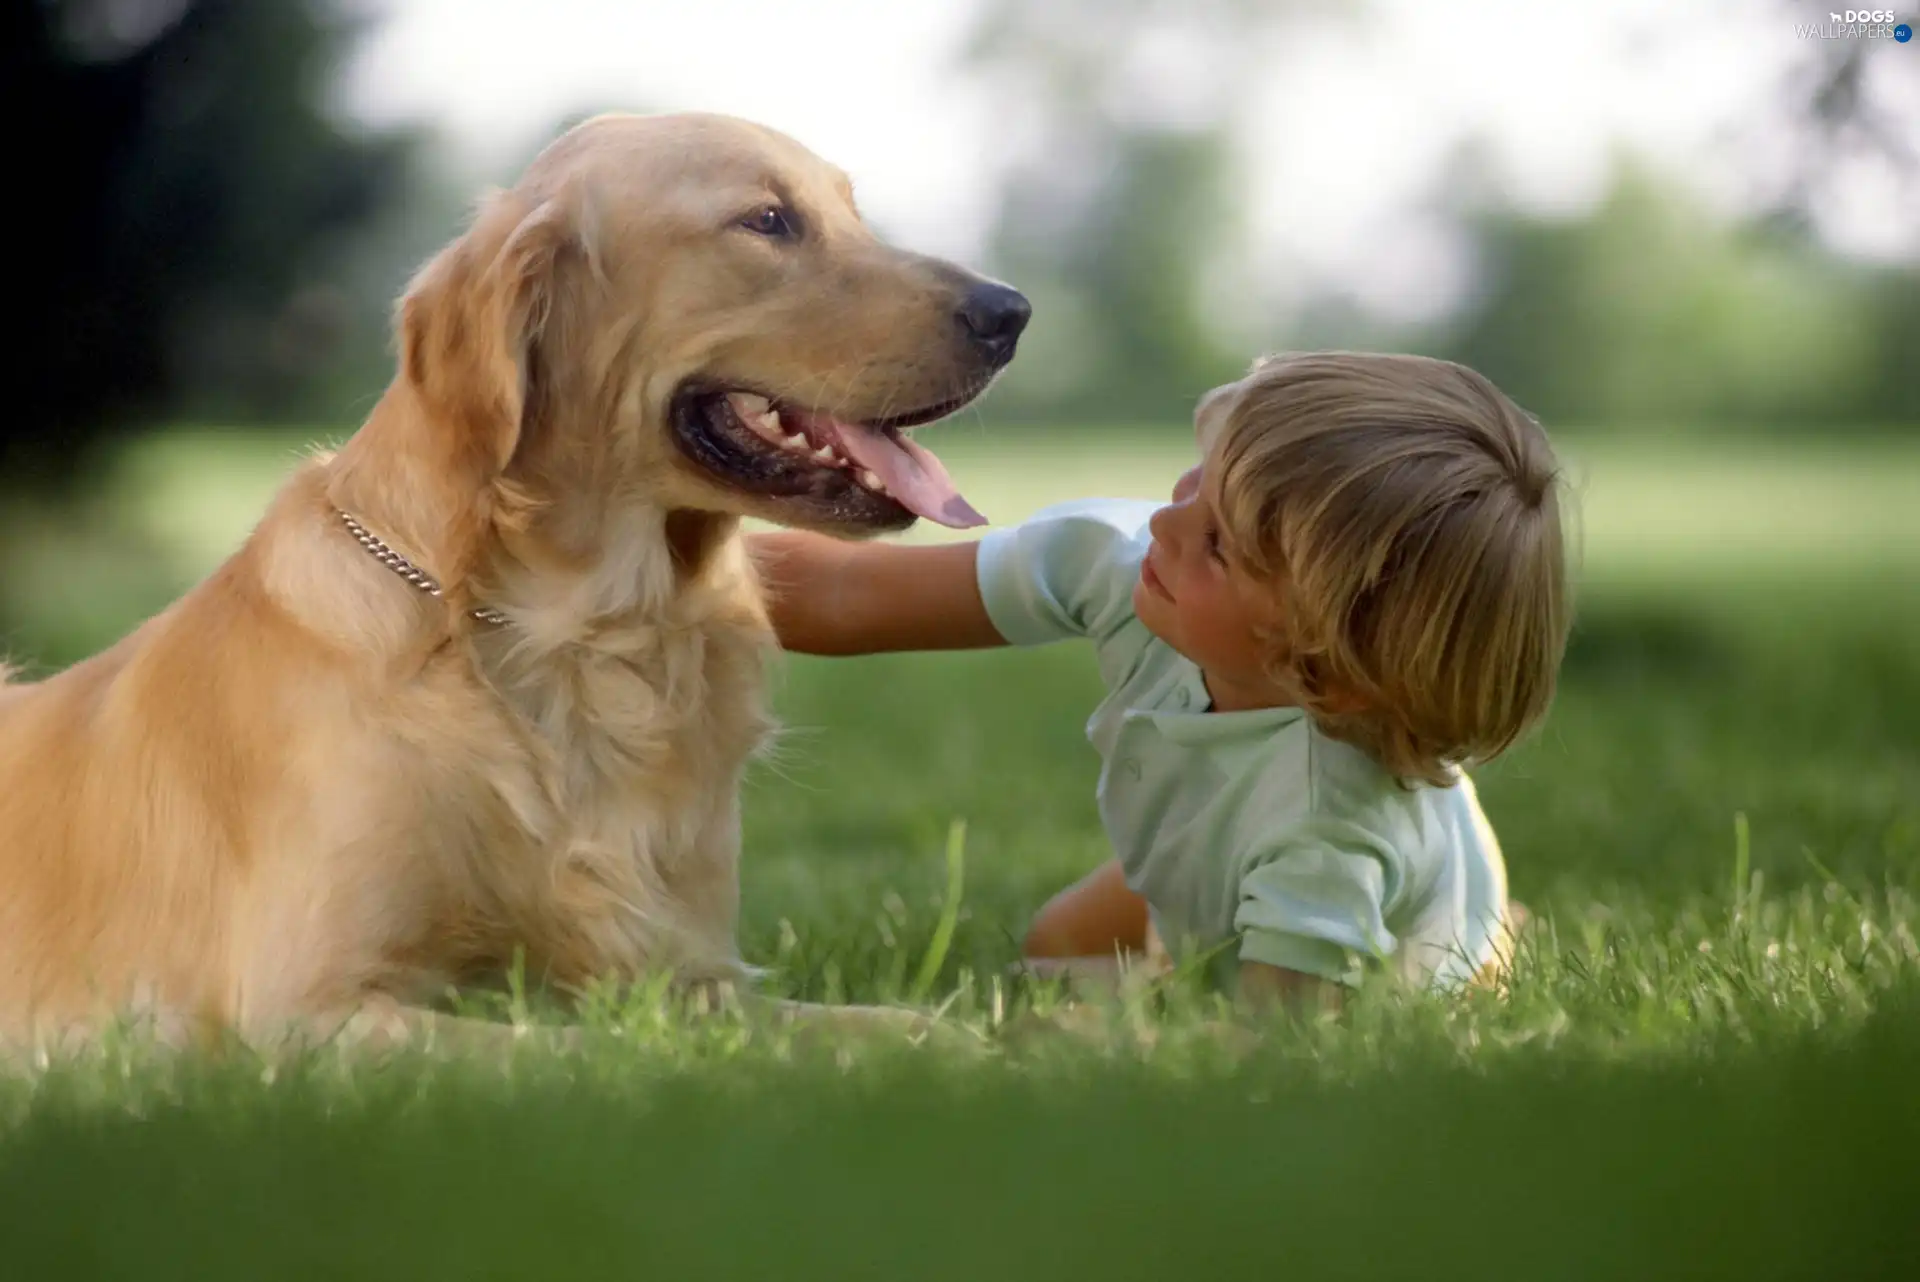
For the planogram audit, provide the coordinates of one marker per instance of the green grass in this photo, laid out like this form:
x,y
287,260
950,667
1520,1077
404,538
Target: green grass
x,y
1706,1067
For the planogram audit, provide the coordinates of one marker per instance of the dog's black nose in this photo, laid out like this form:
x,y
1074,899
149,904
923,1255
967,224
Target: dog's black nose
x,y
994,316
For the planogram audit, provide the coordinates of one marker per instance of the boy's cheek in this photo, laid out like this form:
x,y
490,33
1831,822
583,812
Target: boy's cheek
x,y
1152,612
1143,604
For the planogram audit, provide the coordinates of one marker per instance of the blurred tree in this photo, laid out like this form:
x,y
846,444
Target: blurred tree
x,y
1120,208
1649,310
360,278
183,175
1892,394
1120,204
1654,308
1836,104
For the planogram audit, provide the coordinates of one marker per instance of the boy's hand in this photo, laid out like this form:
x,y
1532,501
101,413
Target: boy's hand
x,y
828,596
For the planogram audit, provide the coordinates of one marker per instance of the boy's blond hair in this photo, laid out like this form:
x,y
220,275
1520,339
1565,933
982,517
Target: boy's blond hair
x,y
1409,515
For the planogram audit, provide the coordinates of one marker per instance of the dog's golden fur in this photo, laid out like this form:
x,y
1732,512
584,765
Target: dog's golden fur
x,y
309,792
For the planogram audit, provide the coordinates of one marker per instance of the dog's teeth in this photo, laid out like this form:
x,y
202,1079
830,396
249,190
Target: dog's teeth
x,y
797,443
768,425
747,405
872,482
824,454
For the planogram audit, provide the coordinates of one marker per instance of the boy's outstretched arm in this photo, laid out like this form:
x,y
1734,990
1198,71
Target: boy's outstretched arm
x,y
828,596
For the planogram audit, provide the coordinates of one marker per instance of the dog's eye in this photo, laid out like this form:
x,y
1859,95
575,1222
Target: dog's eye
x,y
770,220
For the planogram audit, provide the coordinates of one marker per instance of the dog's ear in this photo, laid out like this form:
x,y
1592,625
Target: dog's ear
x,y
470,323
470,329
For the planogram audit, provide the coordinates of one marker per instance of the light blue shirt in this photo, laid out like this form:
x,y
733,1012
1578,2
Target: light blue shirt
x,y
1251,835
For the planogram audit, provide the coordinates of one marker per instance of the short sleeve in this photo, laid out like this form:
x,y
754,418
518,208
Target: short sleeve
x,y
1317,904
1066,572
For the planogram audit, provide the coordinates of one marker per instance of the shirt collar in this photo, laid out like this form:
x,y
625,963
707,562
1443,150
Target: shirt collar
x,y
1189,724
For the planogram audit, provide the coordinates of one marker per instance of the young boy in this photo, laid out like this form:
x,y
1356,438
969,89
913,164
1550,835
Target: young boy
x,y
1360,590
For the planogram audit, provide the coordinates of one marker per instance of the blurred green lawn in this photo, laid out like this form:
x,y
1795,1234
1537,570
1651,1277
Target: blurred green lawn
x,y
1679,504
1705,1069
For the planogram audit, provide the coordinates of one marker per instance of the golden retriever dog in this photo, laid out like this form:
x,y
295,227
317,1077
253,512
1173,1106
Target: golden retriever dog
x,y
486,679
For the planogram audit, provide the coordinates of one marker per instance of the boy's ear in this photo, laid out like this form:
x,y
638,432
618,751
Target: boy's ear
x,y
1339,701
1328,695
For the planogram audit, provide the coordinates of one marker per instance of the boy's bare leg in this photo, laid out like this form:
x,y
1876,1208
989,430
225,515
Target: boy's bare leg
x,y
1078,973
1097,916
1093,934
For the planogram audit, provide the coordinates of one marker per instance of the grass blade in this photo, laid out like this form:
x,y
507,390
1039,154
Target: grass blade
x,y
949,912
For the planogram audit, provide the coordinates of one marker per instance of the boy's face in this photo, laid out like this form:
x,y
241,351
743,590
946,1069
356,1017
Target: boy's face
x,y
1189,597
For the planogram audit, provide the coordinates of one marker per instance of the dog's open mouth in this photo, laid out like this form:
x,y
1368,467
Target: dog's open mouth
x,y
783,450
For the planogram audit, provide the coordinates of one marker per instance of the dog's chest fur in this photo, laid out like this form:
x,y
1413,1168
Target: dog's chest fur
x,y
632,737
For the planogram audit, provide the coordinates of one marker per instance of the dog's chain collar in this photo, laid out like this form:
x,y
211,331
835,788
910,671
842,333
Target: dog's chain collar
x,y
406,569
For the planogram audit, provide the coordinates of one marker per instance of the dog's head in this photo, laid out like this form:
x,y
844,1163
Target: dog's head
x,y
687,311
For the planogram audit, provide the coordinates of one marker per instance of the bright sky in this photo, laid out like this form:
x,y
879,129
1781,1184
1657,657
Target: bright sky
x,y
1350,129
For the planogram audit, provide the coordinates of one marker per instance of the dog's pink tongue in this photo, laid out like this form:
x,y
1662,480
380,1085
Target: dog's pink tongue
x,y
911,474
